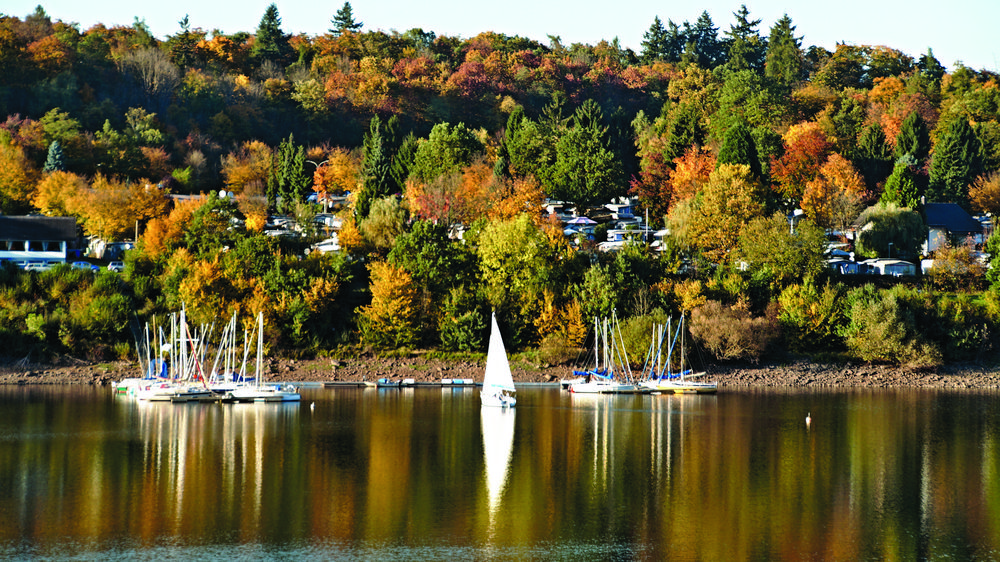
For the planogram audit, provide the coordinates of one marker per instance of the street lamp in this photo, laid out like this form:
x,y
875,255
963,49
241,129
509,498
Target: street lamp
x,y
890,249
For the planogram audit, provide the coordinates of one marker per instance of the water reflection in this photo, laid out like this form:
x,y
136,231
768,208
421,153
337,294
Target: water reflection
x,y
429,474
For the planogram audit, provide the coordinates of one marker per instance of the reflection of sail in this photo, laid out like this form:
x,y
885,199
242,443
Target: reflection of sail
x,y
498,443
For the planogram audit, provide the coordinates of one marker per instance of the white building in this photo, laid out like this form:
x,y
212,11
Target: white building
x,y
45,239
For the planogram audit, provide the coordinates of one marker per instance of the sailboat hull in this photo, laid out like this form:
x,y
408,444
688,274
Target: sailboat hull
x,y
498,400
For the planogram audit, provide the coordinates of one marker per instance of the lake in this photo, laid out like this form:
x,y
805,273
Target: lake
x,y
427,474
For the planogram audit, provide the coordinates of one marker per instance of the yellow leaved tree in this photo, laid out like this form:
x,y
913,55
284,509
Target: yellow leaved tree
x,y
390,321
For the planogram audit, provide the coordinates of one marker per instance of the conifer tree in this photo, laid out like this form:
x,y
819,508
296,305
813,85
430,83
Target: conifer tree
x,y
913,138
344,21
270,44
746,47
586,169
903,187
54,161
738,147
288,179
873,155
957,161
375,168
784,59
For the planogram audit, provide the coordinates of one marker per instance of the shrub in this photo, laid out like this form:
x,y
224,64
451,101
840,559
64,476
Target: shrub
x,y
732,333
882,328
810,317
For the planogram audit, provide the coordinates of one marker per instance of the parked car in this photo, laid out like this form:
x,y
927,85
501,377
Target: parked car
x,y
331,244
116,266
84,265
37,265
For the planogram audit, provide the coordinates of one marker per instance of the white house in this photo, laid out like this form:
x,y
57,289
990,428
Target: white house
x,y
36,238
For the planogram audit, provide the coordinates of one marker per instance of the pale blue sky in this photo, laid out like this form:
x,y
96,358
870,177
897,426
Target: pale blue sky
x,y
956,29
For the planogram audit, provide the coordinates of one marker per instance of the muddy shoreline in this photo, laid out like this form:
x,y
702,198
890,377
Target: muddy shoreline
x,y
799,374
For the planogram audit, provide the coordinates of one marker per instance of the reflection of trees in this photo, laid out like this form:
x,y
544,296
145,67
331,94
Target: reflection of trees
x,y
906,475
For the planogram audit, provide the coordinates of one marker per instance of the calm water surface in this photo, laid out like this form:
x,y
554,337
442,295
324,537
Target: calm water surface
x,y
427,474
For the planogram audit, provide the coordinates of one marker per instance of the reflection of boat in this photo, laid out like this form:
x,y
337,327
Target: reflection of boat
x,y
615,377
498,444
258,392
660,378
498,383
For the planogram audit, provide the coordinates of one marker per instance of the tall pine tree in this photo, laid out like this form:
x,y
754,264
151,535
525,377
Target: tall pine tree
x,y
738,147
957,161
343,21
54,161
784,58
746,46
913,138
270,43
873,156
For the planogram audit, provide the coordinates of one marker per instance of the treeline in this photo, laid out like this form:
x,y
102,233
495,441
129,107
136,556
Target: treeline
x,y
720,135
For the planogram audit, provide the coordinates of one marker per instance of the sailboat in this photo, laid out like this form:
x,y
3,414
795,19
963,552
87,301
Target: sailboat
x,y
661,379
615,377
498,383
258,392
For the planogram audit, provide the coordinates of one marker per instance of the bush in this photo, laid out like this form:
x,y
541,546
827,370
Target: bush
x,y
882,328
810,317
732,333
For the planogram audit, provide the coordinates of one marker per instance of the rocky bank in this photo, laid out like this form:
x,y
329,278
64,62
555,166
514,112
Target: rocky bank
x,y
794,374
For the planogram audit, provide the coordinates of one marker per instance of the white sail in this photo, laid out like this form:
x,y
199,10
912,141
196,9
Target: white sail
x,y
498,383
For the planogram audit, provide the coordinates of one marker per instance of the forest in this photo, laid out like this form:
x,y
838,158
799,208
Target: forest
x,y
192,145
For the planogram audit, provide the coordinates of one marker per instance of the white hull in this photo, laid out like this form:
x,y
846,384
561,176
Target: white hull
x,y
497,399
602,387
266,393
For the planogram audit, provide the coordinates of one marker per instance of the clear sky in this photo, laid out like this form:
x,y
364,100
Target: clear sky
x,y
957,30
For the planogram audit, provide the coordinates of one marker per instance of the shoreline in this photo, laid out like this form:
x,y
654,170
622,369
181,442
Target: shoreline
x,y
799,374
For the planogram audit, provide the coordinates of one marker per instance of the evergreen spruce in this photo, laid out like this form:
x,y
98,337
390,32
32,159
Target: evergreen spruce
x,y
54,161
784,59
913,138
746,47
873,156
958,160
270,44
344,21
738,147
288,179
903,187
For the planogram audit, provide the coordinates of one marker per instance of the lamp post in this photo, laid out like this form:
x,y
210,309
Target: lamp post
x,y
890,249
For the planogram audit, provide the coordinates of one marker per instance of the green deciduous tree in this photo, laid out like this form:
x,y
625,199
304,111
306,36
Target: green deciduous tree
x,y
784,254
887,225
446,150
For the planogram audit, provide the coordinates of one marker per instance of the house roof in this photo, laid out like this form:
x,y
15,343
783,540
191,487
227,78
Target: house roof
x,y
951,217
37,228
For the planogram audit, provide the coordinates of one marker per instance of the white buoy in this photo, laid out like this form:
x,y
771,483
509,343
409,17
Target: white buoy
x,y
808,419
312,405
